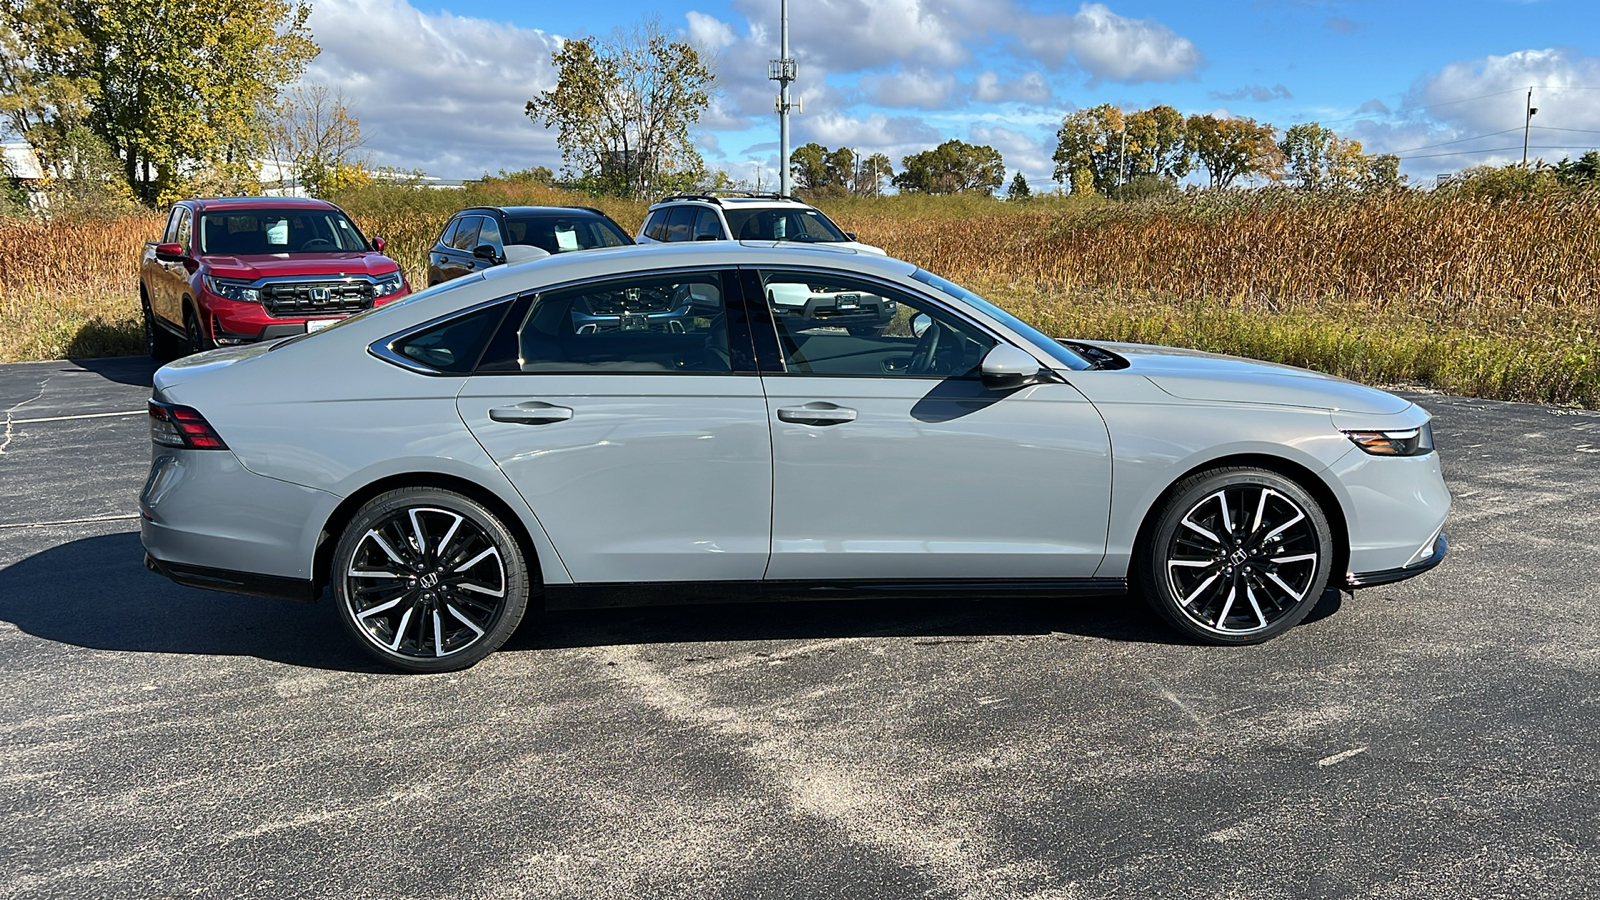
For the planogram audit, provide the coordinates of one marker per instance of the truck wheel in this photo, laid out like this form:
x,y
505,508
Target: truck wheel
x,y
157,342
198,342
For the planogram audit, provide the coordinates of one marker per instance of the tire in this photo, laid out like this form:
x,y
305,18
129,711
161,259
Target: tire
x,y
157,342
198,342
383,566
1235,556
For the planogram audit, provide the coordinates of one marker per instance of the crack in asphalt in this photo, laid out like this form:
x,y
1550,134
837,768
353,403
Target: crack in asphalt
x,y
12,413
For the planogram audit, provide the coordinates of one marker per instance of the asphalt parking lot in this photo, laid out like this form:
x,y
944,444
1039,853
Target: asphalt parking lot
x,y
1436,738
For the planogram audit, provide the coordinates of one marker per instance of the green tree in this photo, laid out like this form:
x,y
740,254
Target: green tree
x,y
1305,154
1230,149
623,107
171,88
953,167
870,177
40,101
1018,190
1088,153
808,164
1156,144
1583,171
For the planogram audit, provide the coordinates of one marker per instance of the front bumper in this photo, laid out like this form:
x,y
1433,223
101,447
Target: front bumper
x,y
1356,580
237,322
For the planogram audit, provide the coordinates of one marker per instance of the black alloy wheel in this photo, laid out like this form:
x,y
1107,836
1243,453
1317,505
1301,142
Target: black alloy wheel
x,y
1237,556
429,580
157,343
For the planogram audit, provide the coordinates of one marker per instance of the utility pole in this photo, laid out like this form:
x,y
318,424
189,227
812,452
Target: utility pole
x,y
1527,122
783,70
1122,162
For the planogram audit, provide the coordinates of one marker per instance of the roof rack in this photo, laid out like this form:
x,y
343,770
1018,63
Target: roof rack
x,y
715,196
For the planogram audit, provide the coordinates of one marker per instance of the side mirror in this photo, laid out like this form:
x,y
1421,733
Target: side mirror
x,y
920,323
1007,368
486,251
850,234
379,243
169,252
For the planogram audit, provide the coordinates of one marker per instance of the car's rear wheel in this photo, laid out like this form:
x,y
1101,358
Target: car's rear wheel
x,y
1236,556
429,580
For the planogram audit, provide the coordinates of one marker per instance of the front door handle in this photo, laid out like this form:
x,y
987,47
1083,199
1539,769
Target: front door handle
x,y
533,412
816,414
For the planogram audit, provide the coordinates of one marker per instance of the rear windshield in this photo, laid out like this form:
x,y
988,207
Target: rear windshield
x,y
561,234
781,225
247,232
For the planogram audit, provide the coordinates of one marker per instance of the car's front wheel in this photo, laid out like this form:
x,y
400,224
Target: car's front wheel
x,y
1236,556
428,580
197,339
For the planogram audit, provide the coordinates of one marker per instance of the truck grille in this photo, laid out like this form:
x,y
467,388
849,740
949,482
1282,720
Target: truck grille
x,y
294,299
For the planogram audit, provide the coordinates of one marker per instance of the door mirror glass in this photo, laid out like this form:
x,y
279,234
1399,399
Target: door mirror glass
x,y
1006,368
920,323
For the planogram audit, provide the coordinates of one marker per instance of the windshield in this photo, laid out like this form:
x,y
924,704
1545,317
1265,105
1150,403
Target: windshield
x,y
560,234
781,225
254,232
1044,343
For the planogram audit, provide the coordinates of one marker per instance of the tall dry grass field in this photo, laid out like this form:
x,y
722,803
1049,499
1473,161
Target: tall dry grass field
x,y
1493,299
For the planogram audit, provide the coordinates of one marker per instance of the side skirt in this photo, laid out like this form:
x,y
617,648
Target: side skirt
x,y
606,595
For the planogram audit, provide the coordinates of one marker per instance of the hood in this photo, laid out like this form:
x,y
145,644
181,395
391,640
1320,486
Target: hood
x,y
271,265
1194,375
178,371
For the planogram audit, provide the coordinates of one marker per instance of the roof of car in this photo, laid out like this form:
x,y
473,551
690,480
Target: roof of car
x,y
733,199
644,257
261,203
538,210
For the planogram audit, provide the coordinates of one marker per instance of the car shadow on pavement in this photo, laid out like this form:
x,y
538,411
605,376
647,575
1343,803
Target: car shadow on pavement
x,y
95,592
134,370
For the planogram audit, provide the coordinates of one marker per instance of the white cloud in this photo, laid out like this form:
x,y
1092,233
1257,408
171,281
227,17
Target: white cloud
x,y
895,136
441,92
709,32
1110,47
855,35
920,89
1032,87
1020,152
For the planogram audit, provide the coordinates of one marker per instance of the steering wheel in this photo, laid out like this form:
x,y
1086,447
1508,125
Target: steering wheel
x,y
925,359
314,242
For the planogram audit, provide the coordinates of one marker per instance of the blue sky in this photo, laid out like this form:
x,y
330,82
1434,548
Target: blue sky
x,y
442,87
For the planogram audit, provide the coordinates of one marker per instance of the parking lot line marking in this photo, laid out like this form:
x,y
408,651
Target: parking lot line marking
x,y
87,521
137,412
1340,757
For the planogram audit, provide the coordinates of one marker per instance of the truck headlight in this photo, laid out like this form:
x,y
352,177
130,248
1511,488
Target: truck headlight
x,y
233,289
388,284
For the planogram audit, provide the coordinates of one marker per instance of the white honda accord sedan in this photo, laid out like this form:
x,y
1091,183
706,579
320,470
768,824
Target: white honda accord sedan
x,y
622,426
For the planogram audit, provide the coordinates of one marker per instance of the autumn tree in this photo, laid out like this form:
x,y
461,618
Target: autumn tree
x,y
1230,149
316,135
622,109
1088,153
953,167
170,88
1156,145
1317,158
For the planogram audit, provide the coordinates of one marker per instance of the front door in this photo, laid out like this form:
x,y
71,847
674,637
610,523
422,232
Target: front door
x,y
629,415
891,460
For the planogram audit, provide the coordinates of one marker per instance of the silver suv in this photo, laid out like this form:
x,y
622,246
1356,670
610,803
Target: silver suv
x,y
746,216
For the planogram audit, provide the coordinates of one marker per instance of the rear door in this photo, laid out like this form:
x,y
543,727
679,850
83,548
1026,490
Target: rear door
x,y
892,461
629,414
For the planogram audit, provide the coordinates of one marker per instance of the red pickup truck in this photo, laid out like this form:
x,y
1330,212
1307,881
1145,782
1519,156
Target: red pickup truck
x,y
245,269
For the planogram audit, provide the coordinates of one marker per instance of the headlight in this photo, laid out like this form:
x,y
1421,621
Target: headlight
x,y
231,289
1406,442
388,284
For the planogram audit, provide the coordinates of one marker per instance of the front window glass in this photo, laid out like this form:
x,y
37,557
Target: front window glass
x,y
563,233
185,233
466,235
837,325
782,224
707,226
248,232
1045,344
662,323
490,234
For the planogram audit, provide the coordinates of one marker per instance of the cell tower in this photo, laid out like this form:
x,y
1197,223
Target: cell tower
x,y
783,71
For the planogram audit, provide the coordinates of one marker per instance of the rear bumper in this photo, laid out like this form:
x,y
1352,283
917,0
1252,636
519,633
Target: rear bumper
x,y
248,583
1355,580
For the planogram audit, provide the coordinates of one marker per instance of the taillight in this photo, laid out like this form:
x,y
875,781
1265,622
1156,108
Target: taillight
x,y
182,426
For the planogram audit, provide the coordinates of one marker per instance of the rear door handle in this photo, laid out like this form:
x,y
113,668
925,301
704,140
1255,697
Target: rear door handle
x,y
533,412
816,414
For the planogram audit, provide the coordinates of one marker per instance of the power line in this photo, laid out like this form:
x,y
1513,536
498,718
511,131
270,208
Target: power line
x,y
1573,130
1499,150
1458,141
